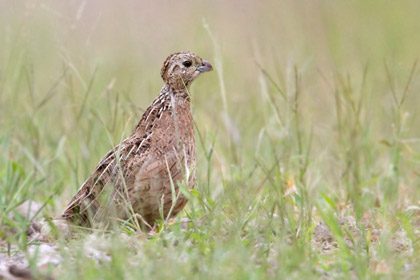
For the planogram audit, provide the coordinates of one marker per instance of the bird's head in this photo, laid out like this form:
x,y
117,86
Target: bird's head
x,y
180,69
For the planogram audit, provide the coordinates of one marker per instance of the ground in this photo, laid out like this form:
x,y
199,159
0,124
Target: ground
x,y
307,134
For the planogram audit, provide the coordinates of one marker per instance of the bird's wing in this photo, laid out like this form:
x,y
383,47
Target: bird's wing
x,y
102,181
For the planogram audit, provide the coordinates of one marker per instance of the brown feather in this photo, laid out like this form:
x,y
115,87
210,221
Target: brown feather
x,y
135,177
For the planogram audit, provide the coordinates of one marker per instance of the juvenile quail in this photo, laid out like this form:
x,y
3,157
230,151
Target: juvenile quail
x,y
141,175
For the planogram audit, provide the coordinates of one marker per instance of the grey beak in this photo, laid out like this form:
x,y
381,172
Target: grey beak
x,y
205,67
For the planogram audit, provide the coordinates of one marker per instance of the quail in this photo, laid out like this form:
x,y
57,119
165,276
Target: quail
x,y
142,176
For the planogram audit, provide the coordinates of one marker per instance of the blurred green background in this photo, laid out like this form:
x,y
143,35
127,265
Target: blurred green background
x,y
309,116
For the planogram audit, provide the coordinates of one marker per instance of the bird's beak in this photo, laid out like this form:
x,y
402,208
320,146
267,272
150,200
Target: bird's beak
x,y
205,67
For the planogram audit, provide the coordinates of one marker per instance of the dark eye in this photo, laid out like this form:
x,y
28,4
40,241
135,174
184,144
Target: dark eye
x,y
187,63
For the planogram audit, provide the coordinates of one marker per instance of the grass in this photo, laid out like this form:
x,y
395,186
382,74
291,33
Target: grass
x,y
307,136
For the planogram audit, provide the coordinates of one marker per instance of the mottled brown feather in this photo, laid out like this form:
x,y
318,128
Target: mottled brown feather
x,y
138,176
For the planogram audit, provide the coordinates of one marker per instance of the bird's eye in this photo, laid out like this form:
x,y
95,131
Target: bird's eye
x,y
187,63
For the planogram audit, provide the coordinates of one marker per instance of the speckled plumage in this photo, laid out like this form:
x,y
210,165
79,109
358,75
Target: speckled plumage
x,y
139,175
